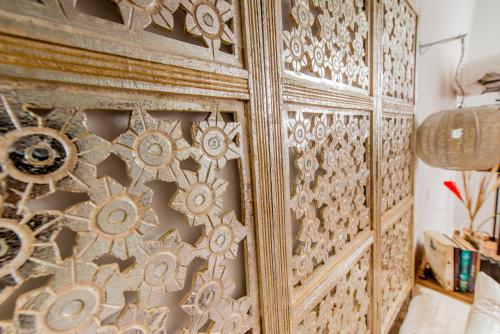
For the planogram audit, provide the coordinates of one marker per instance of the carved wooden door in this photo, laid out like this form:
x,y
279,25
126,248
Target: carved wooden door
x,y
205,166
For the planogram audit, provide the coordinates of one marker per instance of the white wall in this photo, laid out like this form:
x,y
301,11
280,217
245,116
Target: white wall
x,y
434,205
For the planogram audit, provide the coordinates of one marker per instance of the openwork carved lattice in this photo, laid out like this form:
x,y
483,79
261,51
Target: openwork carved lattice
x,y
399,50
331,184
396,261
397,159
327,39
346,307
118,249
203,28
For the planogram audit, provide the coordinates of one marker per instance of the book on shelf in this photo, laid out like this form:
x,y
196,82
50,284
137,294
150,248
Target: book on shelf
x,y
454,261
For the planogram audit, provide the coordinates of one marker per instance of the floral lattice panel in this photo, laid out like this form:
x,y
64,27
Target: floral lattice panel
x,y
330,180
164,245
206,29
346,308
396,261
398,43
397,159
327,39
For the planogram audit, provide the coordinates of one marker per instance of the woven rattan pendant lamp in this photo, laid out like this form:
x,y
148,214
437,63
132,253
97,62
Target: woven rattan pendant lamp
x,y
463,138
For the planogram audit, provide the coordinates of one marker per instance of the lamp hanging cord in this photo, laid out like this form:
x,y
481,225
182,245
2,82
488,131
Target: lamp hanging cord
x,y
459,70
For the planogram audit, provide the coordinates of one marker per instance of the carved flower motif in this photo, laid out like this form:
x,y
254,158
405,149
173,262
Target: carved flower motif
x,y
207,296
320,251
309,228
298,127
138,14
307,165
135,319
39,155
302,15
340,237
329,159
337,66
350,70
233,317
199,196
295,49
301,200
221,240
322,190
162,264
318,58
214,139
302,264
327,29
152,149
320,130
27,248
331,216
79,296
112,221
209,20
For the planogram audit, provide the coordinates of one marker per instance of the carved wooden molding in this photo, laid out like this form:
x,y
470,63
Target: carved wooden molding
x,y
210,31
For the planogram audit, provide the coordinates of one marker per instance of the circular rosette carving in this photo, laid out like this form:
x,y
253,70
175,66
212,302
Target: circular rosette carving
x,y
329,161
309,228
208,19
78,297
199,196
134,319
38,155
152,149
307,165
233,317
301,200
221,238
320,130
318,58
138,14
302,264
214,139
162,266
295,50
27,248
298,129
207,296
302,15
113,221
322,191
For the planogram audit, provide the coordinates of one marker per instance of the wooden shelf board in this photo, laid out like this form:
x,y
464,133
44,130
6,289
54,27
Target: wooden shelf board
x,y
431,283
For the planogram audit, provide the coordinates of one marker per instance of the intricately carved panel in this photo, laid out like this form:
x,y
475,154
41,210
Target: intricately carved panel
x,y
396,261
199,29
398,43
329,181
327,39
397,159
345,309
164,246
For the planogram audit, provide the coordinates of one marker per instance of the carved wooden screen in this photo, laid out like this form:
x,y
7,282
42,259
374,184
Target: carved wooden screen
x,y
141,109
205,166
344,98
